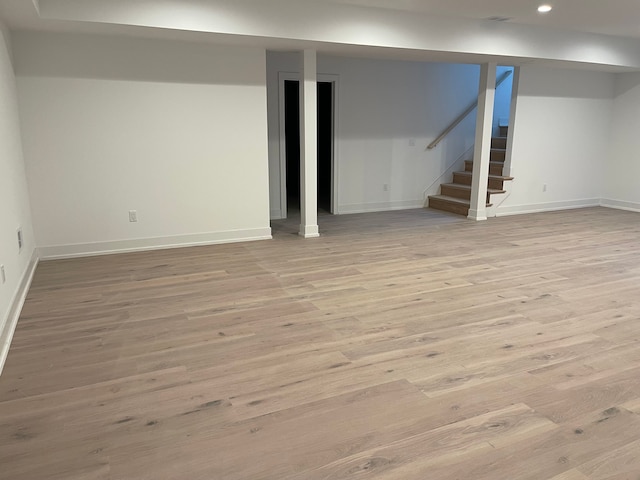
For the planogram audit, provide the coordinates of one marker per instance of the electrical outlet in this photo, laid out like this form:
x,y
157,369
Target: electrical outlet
x,y
544,187
412,142
133,216
385,187
3,276
20,239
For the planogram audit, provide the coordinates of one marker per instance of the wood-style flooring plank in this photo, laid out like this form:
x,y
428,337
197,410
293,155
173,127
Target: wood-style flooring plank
x,y
399,345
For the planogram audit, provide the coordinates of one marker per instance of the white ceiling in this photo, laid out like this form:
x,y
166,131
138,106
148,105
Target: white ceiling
x,y
610,17
439,30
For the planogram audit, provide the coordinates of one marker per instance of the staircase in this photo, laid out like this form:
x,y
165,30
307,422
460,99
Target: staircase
x,y
455,197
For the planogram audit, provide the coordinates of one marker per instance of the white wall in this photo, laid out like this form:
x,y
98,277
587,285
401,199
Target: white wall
x,y
502,102
384,108
175,131
14,202
560,139
622,168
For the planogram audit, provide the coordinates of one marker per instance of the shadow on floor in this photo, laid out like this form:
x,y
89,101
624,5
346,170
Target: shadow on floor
x,y
371,222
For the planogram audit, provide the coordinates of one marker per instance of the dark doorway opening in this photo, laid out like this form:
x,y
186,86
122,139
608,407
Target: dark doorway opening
x,y
325,144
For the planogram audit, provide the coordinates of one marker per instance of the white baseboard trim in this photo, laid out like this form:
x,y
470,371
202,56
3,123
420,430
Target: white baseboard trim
x,y
15,308
547,207
379,207
477,215
158,243
620,205
309,231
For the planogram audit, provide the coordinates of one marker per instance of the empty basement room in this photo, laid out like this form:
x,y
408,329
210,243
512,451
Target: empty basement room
x,y
169,310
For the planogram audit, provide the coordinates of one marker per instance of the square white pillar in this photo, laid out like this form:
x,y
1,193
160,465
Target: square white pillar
x,y
308,146
482,148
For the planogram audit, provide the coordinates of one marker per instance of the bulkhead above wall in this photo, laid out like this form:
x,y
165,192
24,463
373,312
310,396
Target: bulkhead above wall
x,y
345,28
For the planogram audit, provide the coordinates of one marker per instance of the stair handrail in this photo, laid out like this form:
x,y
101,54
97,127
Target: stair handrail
x,y
464,114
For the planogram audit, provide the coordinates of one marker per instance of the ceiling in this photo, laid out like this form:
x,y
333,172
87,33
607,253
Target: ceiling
x,y
610,17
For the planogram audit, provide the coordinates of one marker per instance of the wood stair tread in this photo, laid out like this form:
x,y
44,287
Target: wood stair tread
x,y
451,199
492,162
496,177
499,142
461,186
460,201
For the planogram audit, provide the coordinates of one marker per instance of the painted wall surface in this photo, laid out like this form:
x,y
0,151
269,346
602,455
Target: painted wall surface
x,y
502,101
174,131
560,139
622,167
388,112
14,197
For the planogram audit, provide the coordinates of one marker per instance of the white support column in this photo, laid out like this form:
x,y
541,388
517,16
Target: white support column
x,y
482,149
308,146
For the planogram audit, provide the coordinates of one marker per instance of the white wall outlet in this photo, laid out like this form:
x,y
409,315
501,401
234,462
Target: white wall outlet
x,y
133,216
544,187
385,187
20,239
3,276
412,142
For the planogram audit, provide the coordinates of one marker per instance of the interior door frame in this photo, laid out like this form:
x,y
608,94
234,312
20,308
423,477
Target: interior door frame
x,y
321,77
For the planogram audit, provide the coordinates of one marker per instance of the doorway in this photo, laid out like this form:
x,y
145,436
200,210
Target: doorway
x,y
290,141
325,145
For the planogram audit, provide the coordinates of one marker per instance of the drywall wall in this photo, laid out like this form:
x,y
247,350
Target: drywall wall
x,y
502,102
387,113
174,131
560,140
14,204
622,165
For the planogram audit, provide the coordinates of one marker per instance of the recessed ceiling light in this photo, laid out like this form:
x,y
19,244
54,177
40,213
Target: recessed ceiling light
x,y
546,8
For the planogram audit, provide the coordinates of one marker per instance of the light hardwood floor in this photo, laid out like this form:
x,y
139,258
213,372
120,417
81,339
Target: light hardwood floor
x,y
406,345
